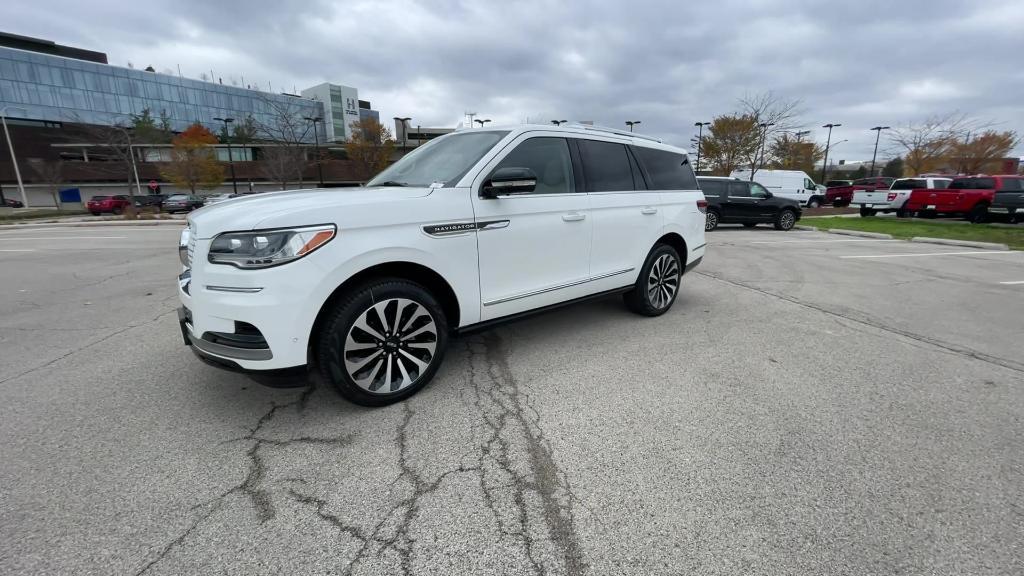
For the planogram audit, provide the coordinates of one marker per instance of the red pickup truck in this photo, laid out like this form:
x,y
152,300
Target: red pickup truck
x,y
842,195
113,204
970,196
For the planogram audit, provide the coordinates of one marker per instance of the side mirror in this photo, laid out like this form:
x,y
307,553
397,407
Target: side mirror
x,y
768,195
509,181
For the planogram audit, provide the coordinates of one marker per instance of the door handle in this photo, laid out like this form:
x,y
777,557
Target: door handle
x,y
648,210
573,217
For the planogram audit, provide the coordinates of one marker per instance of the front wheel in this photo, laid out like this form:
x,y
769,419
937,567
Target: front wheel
x,y
978,214
813,203
865,212
904,213
785,220
658,284
383,342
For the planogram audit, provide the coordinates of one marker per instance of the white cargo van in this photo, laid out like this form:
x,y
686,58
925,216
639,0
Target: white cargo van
x,y
793,184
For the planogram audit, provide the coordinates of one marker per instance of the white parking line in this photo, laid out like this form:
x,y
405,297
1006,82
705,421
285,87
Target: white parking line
x,y
993,252
3,250
68,238
818,241
1014,282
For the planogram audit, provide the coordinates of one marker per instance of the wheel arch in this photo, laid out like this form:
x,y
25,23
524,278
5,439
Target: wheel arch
x,y
675,240
412,271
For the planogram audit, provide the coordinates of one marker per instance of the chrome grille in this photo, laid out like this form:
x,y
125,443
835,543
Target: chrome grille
x,y
191,246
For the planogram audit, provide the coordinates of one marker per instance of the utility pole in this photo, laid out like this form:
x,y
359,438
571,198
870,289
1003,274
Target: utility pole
x,y
878,133
316,144
632,123
764,136
700,139
828,141
231,160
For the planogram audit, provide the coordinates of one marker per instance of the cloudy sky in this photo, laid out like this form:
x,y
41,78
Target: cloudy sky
x,y
666,63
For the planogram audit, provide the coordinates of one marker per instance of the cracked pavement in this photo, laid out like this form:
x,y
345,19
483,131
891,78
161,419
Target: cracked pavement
x,y
778,420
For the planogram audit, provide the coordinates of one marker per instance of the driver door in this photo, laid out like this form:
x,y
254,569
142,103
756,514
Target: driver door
x,y
534,247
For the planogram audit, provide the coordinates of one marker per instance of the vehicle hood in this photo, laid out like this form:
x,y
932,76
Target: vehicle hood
x,y
291,208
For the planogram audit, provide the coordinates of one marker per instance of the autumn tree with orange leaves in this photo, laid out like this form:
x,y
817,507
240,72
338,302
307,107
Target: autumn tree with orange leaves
x,y
194,161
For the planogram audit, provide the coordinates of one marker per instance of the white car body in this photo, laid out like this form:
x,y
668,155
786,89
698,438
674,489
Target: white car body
x,y
500,256
896,196
792,184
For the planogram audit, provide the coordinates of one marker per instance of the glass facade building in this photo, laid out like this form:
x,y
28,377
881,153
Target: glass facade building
x,y
45,87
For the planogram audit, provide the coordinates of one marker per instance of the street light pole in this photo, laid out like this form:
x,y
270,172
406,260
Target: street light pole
x,y
878,133
700,139
764,136
558,122
231,159
632,123
316,144
14,160
828,141
482,122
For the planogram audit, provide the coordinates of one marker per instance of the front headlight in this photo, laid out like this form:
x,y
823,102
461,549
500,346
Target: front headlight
x,y
266,248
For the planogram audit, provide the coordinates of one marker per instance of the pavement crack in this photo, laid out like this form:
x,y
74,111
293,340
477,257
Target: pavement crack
x,y
867,321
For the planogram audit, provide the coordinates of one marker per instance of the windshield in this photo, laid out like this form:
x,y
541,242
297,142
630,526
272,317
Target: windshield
x,y
443,160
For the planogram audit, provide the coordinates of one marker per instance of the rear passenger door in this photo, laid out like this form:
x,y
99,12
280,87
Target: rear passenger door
x,y
626,214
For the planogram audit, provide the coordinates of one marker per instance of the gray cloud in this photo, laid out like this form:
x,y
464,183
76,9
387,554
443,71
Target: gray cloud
x,y
667,63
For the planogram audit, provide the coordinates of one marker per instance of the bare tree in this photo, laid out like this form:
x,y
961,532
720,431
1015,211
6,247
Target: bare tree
x,y
282,164
775,113
51,173
927,145
119,140
287,128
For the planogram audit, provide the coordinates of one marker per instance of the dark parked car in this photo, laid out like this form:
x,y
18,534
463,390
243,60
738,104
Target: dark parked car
x,y
150,200
1008,201
182,203
733,201
113,204
12,203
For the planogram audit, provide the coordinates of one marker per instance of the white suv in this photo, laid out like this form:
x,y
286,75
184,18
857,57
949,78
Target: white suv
x,y
475,227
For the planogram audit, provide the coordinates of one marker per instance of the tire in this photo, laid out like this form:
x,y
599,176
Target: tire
x,y
904,213
978,214
711,220
357,353
814,203
749,224
865,212
117,211
658,284
95,213
785,220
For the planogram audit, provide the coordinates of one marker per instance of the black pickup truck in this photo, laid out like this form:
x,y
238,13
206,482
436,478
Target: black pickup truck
x,y
1008,201
735,201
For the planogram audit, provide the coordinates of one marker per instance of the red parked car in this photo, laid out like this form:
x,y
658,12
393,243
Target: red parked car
x,y
843,195
113,204
970,196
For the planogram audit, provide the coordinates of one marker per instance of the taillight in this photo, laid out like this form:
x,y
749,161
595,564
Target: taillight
x,y
892,196
702,205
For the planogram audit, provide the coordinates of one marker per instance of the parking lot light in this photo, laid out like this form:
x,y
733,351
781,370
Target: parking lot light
x,y
878,133
824,163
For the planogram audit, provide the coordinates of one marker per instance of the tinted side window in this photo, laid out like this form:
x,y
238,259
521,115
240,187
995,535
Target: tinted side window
x,y
942,183
606,166
668,170
739,189
714,188
550,161
1010,185
758,191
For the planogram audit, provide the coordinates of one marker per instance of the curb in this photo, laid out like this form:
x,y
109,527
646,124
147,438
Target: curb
x,y
965,243
808,228
94,224
861,234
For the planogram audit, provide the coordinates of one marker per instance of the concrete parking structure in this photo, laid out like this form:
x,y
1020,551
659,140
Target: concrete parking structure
x,y
812,404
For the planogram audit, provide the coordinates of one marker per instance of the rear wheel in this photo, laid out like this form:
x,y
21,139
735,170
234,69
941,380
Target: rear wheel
x,y
383,342
117,211
865,212
785,220
658,284
711,221
978,214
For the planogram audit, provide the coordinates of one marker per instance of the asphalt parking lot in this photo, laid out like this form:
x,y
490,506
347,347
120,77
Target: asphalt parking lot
x,y
813,404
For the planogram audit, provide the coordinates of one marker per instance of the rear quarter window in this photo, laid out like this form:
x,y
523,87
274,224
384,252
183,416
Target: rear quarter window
x,y
667,170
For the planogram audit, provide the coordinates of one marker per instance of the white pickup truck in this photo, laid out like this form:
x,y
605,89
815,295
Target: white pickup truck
x,y
893,199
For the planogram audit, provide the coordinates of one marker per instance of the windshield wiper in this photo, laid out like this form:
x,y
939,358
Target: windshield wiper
x,y
391,183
